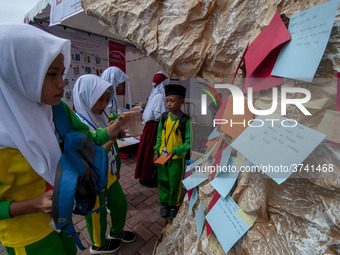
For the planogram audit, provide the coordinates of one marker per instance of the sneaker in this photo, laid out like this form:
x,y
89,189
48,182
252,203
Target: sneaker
x,y
125,236
109,247
165,210
173,212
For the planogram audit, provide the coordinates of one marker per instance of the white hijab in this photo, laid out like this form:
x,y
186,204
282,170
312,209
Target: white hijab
x,y
114,76
26,124
156,102
86,92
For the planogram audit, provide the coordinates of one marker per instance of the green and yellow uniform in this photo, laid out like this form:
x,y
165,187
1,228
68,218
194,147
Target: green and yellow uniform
x,y
31,233
96,223
171,173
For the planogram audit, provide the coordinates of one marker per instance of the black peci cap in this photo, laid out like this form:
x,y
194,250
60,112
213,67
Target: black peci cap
x,y
174,89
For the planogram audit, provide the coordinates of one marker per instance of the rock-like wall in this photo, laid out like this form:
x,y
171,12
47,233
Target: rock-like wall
x,y
207,38
192,37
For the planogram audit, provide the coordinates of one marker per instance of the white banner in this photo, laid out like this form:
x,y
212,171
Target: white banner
x,y
63,9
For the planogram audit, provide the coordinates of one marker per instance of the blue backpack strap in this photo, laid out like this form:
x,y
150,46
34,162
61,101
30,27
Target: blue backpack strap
x,y
61,121
70,231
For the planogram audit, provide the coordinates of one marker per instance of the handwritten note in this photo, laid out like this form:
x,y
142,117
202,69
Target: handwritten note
x,y
277,149
310,31
226,223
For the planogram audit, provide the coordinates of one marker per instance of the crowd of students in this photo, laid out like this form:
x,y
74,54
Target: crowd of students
x,y
31,82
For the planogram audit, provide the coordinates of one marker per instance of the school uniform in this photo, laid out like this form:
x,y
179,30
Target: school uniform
x,y
29,148
87,90
18,182
171,173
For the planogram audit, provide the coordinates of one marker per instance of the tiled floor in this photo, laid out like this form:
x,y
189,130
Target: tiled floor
x,y
143,212
142,217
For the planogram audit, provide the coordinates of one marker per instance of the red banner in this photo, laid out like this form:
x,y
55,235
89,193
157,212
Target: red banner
x,y
117,58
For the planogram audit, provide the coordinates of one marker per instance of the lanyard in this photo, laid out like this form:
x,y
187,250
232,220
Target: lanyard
x,y
166,140
88,122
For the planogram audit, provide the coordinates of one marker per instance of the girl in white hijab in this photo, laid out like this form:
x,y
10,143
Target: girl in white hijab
x,y
87,90
116,77
91,96
156,102
146,170
33,64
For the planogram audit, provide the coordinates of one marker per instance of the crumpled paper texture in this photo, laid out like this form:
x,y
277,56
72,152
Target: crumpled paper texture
x,y
207,38
193,37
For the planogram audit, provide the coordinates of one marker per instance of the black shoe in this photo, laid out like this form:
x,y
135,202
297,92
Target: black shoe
x,y
109,247
125,236
165,210
173,212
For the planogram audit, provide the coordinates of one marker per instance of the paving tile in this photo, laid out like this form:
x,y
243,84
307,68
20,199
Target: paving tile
x,y
156,229
151,199
131,209
132,248
133,221
148,247
81,225
143,232
147,192
151,219
138,200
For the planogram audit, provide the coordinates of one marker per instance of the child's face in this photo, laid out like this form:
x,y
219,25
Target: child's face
x,y
173,103
101,104
119,88
53,86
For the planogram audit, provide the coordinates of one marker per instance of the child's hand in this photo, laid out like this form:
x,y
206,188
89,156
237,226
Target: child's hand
x,y
115,127
137,108
170,154
109,144
155,158
44,203
122,121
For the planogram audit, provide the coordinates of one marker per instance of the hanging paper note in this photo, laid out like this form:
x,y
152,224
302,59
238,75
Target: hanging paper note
x,y
193,165
224,182
217,161
310,31
213,201
194,180
221,110
193,199
214,134
235,123
226,222
262,54
199,218
277,149
224,159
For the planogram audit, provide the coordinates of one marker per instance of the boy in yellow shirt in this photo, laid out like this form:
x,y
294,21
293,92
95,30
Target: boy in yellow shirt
x,y
174,142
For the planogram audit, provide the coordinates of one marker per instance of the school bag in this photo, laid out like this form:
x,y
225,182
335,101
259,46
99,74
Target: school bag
x,y
81,175
181,127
